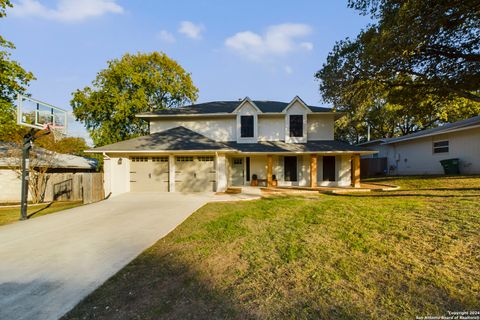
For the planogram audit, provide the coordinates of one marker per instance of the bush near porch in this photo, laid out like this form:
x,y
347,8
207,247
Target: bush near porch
x,y
379,255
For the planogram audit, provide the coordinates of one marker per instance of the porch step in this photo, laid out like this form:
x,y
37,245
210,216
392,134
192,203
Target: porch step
x,y
233,190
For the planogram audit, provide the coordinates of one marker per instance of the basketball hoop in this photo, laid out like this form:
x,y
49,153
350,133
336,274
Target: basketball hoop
x,y
37,115
57,131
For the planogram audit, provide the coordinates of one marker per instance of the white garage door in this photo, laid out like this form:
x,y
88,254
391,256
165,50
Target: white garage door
x,y
149,174
194,173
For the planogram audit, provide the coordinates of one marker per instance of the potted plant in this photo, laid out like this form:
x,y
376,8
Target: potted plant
x,y
274,180
254,182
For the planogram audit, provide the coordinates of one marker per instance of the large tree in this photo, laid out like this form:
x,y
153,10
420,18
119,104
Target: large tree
x,y
13,79
418,65
130,85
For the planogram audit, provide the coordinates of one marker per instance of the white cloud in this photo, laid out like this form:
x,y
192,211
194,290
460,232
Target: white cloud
x,y
307,45
66,10
191,30
277,40
166,36
288,70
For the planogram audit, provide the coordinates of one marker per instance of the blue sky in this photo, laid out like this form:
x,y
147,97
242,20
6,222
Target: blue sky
x,y
262,49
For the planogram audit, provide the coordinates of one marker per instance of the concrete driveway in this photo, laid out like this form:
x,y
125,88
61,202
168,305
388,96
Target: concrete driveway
x,y
48,264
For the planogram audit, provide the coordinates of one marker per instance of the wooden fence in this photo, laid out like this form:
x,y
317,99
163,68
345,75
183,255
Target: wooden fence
x,y
373,167
82,186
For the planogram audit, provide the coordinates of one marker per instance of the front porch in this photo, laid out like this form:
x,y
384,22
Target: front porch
x,y
294,170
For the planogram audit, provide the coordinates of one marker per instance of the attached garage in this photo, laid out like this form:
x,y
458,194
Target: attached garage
x,y
149,174
194,173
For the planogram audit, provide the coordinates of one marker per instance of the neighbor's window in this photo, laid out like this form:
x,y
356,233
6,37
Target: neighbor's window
x,y
246,126
296,126
440,147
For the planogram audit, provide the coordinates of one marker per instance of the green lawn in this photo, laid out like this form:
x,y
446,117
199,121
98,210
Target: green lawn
x,y
12,214
381,255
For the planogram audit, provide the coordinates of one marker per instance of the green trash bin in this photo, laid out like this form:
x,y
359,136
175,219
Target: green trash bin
x,y
451,166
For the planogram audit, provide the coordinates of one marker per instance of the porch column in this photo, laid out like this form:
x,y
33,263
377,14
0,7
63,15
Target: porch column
x,y
171,173
313,171
221,170
356,171
269,170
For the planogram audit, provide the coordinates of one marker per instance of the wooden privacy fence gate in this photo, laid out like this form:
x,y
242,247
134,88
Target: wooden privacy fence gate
x,y
82,186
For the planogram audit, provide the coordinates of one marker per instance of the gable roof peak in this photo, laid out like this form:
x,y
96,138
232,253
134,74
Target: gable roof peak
x,y
245,100
295,99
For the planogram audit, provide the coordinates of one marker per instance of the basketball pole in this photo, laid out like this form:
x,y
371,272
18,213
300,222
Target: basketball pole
x,y
27,146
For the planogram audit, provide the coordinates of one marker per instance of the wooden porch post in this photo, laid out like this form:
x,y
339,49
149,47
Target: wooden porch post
x,y
313,171
269,170
356,171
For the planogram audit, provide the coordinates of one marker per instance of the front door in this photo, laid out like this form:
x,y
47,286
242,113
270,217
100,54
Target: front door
x,y
290,168
237,172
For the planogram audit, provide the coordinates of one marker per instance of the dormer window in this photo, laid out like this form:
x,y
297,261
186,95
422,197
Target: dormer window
x,y
296,125
246,126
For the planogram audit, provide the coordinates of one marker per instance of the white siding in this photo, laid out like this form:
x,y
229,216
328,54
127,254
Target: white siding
x,y
221,171
258,166
266,127
417,157
11,185
271,128
219,129
117,176
320,127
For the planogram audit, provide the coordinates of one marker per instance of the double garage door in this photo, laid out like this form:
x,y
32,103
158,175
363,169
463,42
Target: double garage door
x,y
192,174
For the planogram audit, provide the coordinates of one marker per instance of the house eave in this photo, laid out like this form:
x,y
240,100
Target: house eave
x,y
337,115
227,151
431,134
159,151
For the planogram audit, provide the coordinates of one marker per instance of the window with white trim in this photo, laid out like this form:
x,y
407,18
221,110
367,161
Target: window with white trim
x,y
440,146
246,126
296,125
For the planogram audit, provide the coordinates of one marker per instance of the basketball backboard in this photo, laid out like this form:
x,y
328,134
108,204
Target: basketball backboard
x,y
40,115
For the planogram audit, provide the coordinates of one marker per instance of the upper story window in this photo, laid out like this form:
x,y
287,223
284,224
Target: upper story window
x,y
440,147
296,125
246,126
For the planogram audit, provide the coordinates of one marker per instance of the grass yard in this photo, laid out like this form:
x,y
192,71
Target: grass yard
x,y
12,214
381,255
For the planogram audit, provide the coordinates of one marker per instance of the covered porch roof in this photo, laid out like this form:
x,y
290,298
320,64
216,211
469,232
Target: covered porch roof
x,y
183,140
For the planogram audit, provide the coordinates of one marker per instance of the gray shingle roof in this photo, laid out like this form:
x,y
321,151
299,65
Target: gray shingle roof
x,y
10,156
438,130
228,107
183,139
178,138
310,146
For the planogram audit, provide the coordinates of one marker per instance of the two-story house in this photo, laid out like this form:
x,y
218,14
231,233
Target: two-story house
x,y
215,145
